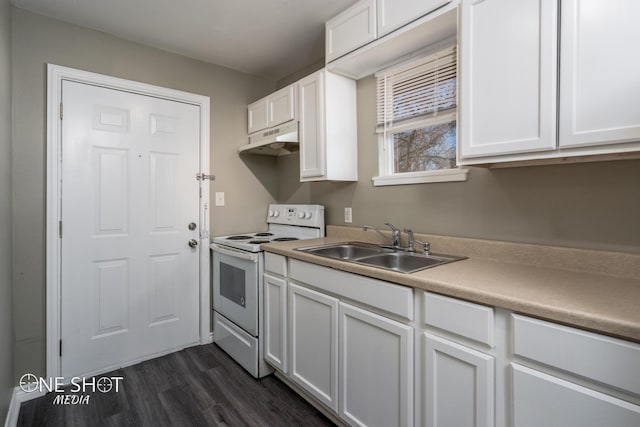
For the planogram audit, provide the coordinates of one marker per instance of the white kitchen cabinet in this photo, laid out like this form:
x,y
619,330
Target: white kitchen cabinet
x,y
507,77
328,128
275,322
598,73
282,105
393,14
540,399
376,369
258,115
350,29
275,109
313,332
458,384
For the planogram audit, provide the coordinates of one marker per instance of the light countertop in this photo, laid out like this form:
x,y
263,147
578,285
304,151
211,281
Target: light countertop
x,y
597,302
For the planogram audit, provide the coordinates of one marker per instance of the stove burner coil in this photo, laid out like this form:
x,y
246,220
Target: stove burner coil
x,y
263,234
284,239
239,237
257,242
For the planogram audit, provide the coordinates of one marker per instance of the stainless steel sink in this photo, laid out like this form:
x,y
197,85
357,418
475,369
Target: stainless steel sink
x,y
376,256
407,262
345,251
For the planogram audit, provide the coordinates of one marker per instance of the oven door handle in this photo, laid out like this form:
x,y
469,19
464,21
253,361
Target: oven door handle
x,y
234,253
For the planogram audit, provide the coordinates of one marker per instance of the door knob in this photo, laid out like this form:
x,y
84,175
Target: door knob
x,y
193,243
192,226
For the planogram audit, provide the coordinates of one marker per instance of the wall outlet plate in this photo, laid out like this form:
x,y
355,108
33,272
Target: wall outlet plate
x,y
348,215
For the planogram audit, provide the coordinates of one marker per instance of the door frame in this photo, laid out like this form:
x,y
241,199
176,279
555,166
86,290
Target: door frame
x,y
55,75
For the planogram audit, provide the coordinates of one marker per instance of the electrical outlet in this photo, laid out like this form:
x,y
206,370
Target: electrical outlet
x,y
219,198
348,215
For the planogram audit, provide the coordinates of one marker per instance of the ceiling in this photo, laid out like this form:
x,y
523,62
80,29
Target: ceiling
x,y
268,38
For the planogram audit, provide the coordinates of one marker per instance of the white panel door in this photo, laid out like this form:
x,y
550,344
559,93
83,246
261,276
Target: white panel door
x,y
130,285
507,101
458,385
599,84
543,400
312,126
313,336
393,14
275,322
376,369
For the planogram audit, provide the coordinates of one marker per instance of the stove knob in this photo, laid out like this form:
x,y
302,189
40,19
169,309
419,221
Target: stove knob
x,y
270,213
276,213
301,215
307,215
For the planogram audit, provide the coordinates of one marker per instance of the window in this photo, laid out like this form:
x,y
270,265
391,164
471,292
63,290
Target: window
x,y
416,121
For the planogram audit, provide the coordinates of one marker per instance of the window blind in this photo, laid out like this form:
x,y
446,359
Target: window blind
x,y
416,90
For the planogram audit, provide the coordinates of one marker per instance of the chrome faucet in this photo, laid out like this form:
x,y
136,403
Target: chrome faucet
x,y
395,233
411,241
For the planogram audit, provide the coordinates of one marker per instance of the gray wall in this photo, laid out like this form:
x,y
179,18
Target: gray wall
x,y
6,329
590,205
249,183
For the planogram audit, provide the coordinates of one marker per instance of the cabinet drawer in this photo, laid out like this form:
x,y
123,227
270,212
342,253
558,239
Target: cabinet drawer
x,y
351,29
463,318
276,264
607,360
394,299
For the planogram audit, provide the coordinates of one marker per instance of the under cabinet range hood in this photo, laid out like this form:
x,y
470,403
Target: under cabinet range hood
x,y
277,141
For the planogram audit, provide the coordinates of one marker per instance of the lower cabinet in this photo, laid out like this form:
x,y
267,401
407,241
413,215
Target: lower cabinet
x,y
540,399
459,384
313,332
275,322
376,369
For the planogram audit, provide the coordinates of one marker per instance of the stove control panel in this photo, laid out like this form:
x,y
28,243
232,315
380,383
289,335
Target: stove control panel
x,y
304,215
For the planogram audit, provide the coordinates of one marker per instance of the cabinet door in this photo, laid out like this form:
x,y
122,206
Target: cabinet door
x,y
282,106
258,116
275,322
376,369
599,89
312,126
393,14
313,323
507,77
543,400
458,385
351,29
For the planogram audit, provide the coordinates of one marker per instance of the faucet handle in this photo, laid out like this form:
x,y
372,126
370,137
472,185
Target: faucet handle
x,y
391,226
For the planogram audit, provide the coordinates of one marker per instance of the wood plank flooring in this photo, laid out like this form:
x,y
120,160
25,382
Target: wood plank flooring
x,y
199,386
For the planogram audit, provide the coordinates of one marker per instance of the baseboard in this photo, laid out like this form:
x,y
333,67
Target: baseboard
x,y
17,398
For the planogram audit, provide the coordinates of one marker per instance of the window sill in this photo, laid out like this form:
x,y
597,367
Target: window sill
x,y
446,175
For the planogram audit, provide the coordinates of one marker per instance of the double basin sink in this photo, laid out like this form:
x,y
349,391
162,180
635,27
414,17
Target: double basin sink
x,y
381,257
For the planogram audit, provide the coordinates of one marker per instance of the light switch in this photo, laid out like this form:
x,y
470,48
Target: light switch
x,y
219,198
348,215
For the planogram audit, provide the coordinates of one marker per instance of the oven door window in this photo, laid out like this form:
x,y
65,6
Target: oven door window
x,y
233,285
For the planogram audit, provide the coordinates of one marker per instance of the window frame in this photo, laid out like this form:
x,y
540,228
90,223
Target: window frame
x,y
386,174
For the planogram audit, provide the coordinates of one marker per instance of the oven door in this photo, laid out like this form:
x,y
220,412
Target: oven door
x,y
235,286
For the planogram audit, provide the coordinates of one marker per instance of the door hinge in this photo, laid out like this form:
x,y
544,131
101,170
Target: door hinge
x,y
200,192
60,229
203,176
60,347
61,111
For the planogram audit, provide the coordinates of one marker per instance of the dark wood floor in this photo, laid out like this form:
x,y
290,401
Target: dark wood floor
x,y
199,386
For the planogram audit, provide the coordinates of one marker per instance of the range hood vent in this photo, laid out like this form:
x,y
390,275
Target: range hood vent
x,y
277,141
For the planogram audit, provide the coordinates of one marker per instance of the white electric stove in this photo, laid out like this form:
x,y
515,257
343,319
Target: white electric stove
x,y
238,268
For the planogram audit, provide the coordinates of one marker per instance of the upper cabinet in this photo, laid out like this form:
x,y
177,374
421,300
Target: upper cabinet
x,y
328,128
508,81
351,29
258,116
374,34
507,77
282,105
393,14
599,75
272,110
